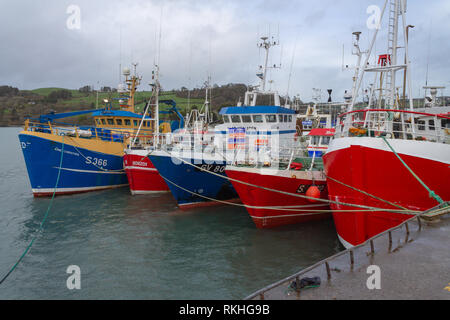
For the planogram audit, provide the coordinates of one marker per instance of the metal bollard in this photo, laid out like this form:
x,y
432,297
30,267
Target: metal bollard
x,y
407,232
352,260
328,270
390,241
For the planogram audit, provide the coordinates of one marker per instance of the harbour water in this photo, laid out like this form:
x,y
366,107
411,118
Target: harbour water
x,y
140,247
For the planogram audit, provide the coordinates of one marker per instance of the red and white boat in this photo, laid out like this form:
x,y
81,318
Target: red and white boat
x,y
319,141
289,186
143,177
386,157
262,203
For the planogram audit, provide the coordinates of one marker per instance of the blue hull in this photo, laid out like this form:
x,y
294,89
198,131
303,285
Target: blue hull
x,y
82,170
193,180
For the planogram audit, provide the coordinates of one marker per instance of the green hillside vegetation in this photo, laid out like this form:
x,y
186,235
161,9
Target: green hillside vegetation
x,y
17,105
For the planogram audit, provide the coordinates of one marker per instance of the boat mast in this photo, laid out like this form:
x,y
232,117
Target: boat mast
x,y
387,64
357,52
155,107
262,74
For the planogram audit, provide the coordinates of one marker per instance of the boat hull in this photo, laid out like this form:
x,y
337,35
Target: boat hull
x,y
190,186
142,175
369,165
295,182
83,167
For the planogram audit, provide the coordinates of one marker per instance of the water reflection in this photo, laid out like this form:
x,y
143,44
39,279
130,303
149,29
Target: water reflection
x,y
141,247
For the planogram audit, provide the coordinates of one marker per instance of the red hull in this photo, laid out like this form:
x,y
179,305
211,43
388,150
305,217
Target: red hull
x,y
380,173
257,197
142,176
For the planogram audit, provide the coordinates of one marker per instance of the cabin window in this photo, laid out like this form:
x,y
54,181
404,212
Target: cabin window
x,y
315,140
127,122
236,119
103,121
326,140
280,118
271,118
246,119
286,118
111,122
97,121
431,125
119,122
258,118
135,122
148,124
226,119
420,124
445,123
290,118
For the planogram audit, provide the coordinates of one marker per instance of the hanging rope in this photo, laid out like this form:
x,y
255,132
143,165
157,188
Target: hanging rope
x,y
430,192
367,194
100,168
41,226
289,193
285,208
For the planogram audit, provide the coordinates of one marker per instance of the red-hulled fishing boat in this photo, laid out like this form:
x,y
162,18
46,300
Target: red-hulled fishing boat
x,y
387,157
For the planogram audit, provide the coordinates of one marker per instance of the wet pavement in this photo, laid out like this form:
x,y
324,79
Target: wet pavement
x,y
416,267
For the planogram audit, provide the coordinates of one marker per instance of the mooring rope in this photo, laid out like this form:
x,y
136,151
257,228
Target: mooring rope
x,y
279,208
41,226
102,169
293,194
366,193
431,193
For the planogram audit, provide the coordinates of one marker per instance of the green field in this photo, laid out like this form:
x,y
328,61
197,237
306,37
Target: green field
x,y
84,100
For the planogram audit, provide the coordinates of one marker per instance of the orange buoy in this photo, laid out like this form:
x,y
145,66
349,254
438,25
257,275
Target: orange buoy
x,y
313,192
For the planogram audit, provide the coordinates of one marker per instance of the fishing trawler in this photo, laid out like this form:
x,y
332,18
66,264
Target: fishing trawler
x,y
143,177
399,158
181,162
288,186
62,158
196,174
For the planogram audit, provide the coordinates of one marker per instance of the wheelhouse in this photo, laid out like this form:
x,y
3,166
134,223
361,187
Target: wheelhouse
x,y
319,141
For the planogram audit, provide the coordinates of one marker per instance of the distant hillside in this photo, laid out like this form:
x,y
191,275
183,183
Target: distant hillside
x,y
16,105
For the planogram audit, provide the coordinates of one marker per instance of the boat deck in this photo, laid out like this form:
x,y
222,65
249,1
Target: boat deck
x,y
415,266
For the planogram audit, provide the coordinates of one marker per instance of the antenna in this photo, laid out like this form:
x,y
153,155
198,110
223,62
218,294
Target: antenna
x,y
160,35
428,53
292,65
120,55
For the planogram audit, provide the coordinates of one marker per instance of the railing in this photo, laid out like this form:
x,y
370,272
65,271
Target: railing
x,y
394,124
84,132
350,252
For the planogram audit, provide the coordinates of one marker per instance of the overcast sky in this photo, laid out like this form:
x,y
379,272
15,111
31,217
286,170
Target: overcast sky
x,y
198,37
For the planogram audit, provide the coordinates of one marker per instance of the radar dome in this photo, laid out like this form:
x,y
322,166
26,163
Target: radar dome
x,y
126,72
